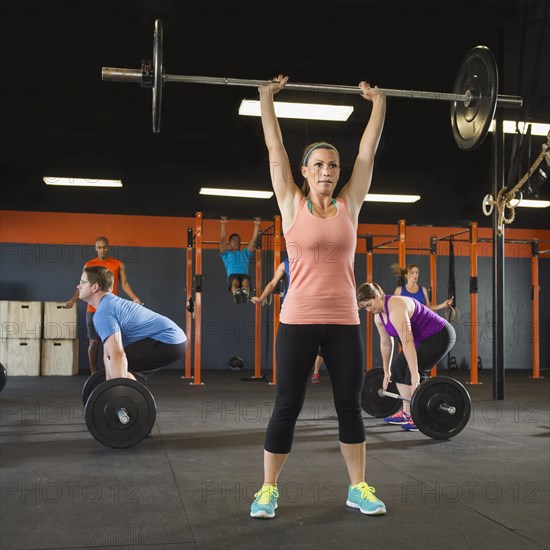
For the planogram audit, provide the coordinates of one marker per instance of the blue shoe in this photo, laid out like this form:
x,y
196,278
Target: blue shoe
x,y
398,418
265,503
410,426
362,496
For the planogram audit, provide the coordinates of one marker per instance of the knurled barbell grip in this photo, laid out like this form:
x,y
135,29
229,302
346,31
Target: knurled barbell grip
x,y
384,393
135,75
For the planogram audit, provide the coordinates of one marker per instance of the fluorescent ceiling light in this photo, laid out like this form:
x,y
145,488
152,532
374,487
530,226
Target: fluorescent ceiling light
x,y
309,111
530,203
537,128
246,193
373,197
81,182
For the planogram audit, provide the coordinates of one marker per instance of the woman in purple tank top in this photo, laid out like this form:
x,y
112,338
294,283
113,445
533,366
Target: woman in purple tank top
x,y
407,281
425,339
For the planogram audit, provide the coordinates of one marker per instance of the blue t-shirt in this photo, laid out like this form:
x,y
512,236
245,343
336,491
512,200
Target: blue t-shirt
x,y
418,295
236,261
134,322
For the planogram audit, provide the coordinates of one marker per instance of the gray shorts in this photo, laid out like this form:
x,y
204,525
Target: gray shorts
x,y
92,334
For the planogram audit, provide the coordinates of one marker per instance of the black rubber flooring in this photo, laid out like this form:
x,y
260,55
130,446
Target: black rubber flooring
x,y
191,483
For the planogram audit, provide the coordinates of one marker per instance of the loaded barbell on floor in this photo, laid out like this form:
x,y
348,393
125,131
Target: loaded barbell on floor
x,y
120,412
474,97
440,406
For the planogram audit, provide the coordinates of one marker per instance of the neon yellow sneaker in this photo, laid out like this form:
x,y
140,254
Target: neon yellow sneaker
x,y
265,503
362,496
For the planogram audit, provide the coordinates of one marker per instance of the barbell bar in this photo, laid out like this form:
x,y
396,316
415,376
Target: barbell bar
x,y
473,100
445,407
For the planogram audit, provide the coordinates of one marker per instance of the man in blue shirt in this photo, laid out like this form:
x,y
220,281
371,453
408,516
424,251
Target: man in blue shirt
x,y
236,261
134,338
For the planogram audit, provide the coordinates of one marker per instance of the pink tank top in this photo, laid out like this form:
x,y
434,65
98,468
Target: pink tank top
x,y
321,254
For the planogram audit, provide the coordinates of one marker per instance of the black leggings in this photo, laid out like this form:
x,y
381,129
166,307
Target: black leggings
x,y
429,352
297,347
148,355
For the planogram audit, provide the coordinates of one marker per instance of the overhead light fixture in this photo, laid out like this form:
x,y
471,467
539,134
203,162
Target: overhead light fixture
x,y
373,197
243,193
81,182
308,111
537,128
529,203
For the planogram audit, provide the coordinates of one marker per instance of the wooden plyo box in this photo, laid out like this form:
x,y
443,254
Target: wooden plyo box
x,y
20,357
21,320
59,358
59,323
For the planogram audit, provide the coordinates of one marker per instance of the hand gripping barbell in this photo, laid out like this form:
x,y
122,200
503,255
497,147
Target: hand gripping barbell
x,y
474,97
440,406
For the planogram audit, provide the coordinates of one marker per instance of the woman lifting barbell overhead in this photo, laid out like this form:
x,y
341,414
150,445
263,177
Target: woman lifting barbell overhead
x,y
425,339
320,307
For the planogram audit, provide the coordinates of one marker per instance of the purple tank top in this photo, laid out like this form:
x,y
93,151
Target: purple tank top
x,y
418,295
424,322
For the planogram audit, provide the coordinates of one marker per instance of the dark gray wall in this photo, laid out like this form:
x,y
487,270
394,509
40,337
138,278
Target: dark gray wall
x,y
158,276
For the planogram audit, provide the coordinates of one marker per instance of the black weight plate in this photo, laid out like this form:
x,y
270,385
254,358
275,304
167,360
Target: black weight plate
x,y
101,418
159,75
374,404
3,376
92,382
478,76
428,417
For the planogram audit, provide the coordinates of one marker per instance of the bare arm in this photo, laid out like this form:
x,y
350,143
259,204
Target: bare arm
x,y
436,307
400,319
386,346
223,244
355,191
252,243
116,363
286,192
279,273
126,285
74,298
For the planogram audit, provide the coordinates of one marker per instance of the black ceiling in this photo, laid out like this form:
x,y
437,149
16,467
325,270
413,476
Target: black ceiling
x,y
60,118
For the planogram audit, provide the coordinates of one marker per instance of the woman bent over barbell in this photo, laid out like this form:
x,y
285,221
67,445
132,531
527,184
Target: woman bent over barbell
x,y
425,339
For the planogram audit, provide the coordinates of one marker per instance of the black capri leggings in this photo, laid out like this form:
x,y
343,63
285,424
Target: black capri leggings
x,y
297,347
429,352
148,355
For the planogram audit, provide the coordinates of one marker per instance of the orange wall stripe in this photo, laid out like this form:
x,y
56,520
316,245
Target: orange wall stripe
x,y
171,232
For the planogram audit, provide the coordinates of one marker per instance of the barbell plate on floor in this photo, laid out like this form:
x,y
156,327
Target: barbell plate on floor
x,y
103,418
478,78
3,376
92,382
374,404
159,75
426,410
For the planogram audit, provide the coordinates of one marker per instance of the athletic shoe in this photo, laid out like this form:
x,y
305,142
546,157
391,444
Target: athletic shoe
x,y
244,294
361,496
398,418
237,296
265,503
315,378
410,426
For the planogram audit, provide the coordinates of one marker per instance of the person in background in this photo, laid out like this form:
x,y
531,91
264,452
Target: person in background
x,y
120,278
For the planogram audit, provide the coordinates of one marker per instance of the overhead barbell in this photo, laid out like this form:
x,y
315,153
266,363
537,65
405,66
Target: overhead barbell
x,y
474,97
440,406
